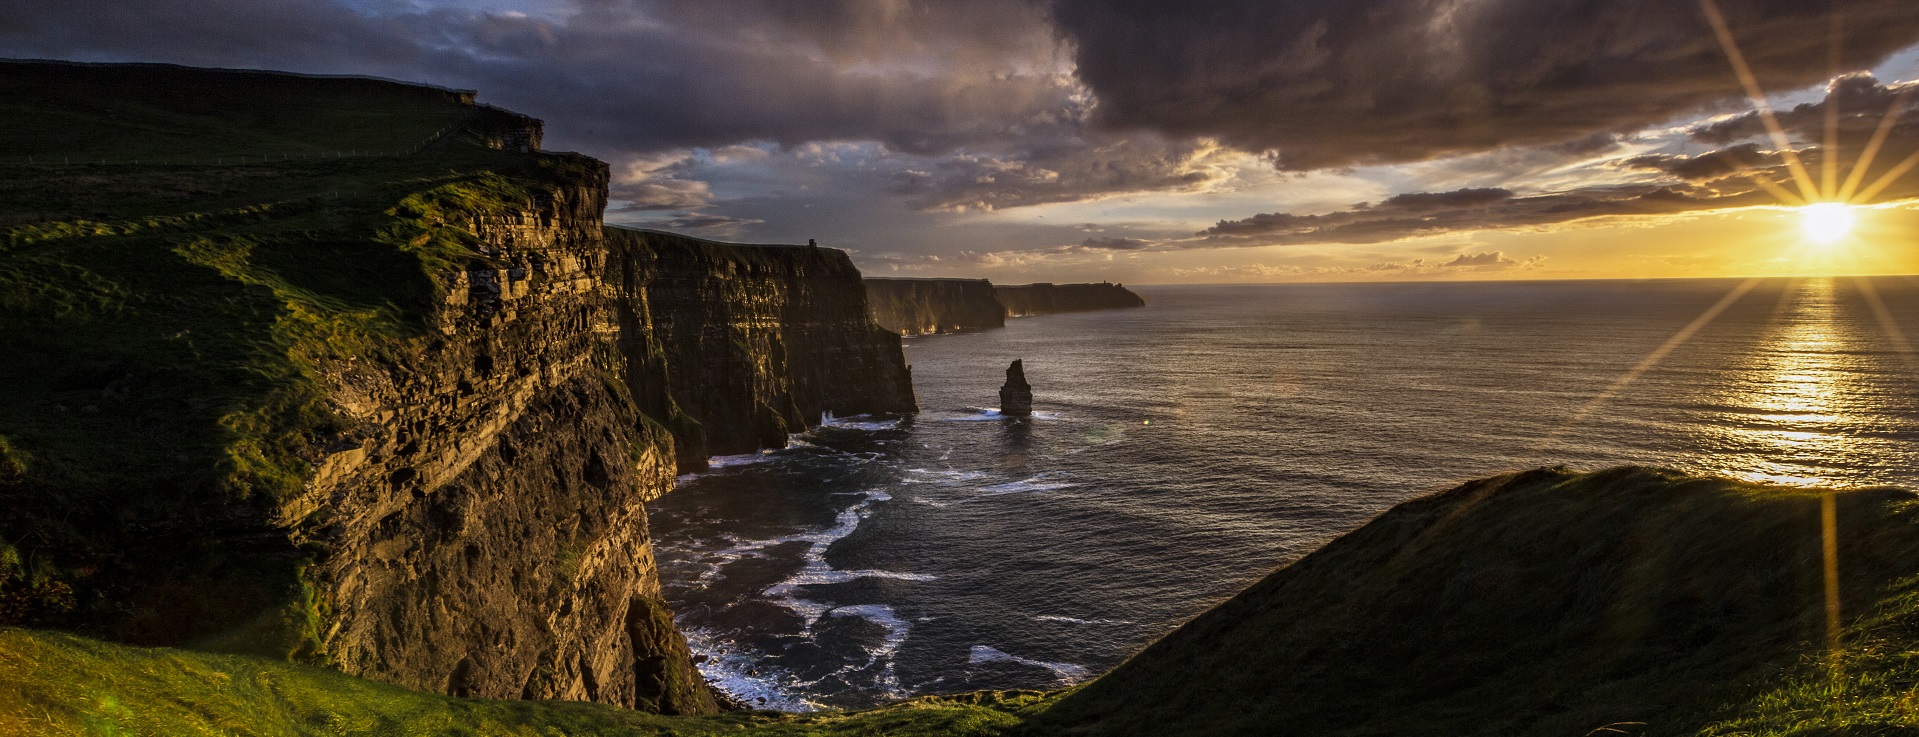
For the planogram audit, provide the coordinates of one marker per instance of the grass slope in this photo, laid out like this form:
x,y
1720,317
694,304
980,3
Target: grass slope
x,y
55,685
1548,603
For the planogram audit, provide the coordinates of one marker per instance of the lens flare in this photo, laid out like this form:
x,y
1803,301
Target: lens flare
x,y
1826,222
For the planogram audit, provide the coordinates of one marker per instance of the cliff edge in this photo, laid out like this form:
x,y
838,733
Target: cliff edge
x,y
331,369
928,306
1046,299
734,347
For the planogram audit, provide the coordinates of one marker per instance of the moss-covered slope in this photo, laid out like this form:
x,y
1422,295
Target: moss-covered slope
x,y
1547,603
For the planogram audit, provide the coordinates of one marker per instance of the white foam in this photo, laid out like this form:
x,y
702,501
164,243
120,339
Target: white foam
x,y
814,570
859,422
1029,485
1067,673
981,414
744,677
896,632
948,476
1076,620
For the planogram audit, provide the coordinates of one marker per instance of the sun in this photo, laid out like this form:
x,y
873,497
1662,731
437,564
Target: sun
x,y
1826,223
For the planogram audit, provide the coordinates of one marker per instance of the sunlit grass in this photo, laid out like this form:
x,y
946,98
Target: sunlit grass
x,y
56,685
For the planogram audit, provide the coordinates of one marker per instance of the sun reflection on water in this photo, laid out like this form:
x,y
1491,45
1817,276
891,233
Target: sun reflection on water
x,y
1788,403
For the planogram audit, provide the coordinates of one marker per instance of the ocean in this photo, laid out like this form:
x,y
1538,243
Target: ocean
x,y
1185,449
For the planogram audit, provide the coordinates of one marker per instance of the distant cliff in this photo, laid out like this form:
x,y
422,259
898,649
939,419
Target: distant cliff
x,y
925,306
748,344
1046,299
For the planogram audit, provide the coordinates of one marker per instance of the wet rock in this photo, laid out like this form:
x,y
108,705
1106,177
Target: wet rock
x,y
1016,396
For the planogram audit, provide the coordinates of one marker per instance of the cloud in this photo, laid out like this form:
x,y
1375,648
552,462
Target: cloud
x,y
1472,212
1114,244
656,183
1860,98
1061,165
712,226
1335,84
624,76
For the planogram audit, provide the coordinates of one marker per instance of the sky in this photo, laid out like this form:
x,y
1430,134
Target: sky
x,y
1160,141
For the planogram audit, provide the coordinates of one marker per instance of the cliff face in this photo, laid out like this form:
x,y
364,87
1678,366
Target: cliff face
x,y
486,532
749,343
926,306
1045,299
381,424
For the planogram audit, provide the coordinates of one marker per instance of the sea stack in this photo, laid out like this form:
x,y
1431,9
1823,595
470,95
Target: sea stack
x,y
1016,397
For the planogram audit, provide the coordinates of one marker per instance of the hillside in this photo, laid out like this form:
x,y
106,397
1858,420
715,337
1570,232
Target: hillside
x,y
1549,603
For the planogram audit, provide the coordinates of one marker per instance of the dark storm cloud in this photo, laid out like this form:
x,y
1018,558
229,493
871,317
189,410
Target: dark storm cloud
x,y
1723,178
1740,159
1463,198
1330,84
1382,223
1059,168
1114,244
1862,104
627,76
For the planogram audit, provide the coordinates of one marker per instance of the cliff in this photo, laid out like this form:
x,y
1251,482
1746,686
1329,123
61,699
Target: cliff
x,y
1046,299
926,306
363,407
748,344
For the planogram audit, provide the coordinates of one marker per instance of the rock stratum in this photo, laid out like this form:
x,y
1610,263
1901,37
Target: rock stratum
x,y
745,345
1046,299
348,372
928,306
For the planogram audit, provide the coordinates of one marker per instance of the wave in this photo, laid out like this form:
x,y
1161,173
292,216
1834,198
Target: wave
x,y
815,571
1067,673
1030,485
859,422
1076,620
743,677
982,414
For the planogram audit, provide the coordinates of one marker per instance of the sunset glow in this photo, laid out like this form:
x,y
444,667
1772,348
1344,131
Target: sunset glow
x,y
1827,223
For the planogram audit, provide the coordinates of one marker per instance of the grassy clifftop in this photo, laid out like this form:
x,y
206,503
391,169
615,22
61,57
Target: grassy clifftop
x,y
1628,601
166,312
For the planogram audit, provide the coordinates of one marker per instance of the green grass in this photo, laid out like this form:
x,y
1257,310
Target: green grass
x,y
57,685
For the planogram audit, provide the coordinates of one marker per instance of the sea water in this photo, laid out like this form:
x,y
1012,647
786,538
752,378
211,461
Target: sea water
x,y
1183,450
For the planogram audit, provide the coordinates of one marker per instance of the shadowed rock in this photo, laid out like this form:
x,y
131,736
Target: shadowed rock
x,y
1016,396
